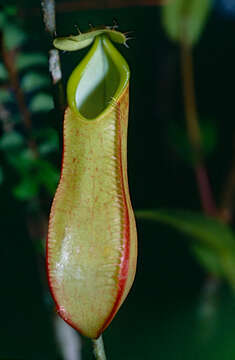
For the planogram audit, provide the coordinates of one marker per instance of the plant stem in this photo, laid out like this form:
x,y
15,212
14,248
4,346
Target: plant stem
x,y
48,10
204,189
98,347
203,183
5,119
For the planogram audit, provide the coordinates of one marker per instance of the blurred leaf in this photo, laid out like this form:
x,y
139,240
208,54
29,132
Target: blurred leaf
x,y
3,72
33,81
41,102
6,96
206,229
23,161
213,237
26,190
48,147
185,18
1,175
11,140
13,36
25,61
2,19
11,10
48,140
208,259
34,173
48,176
179,139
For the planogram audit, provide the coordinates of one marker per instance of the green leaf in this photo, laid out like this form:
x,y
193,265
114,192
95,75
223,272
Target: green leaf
x,y
13,36
41,102
33,81
185,18
3,72
27,189
11,140
211,235
6,96
25,61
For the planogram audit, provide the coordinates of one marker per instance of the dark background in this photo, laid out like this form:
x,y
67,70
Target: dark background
x,y
161,317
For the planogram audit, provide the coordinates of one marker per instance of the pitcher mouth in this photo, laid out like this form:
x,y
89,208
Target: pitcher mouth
x,y
98,81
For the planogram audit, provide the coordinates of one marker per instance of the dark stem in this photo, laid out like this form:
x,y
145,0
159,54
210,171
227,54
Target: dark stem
x,y
204,189
5,119
203,183
56,78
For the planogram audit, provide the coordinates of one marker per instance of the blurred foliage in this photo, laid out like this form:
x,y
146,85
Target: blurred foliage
x,y
215,246
34,172
185,19
29,154
13,36
41,102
